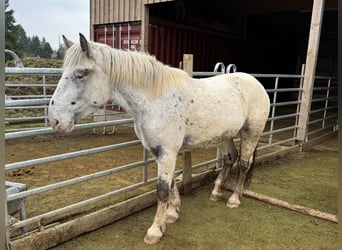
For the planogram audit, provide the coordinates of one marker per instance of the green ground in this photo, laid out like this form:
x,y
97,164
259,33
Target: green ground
x,y
306,178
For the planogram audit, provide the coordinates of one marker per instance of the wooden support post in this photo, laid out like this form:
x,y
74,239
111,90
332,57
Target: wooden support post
x,y
187,172
188,63
187,162
309,75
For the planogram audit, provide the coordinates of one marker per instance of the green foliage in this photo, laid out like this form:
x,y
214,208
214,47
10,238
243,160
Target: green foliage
x,y
17,40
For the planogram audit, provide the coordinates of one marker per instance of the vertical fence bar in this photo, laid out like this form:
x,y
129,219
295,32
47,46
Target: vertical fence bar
x,y
326,103
301,80
273,109
145,167
45,106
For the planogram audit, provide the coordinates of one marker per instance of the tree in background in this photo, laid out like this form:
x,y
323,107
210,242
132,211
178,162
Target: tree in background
x,y
11,31
17,41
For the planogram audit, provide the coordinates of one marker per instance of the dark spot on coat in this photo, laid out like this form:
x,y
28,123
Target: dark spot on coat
x,y
244,166
179,98
162,190
186,141
192,101
156,151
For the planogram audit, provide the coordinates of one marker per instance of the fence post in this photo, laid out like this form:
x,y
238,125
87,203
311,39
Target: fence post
x,y
310,68
187,162
4,219
187,172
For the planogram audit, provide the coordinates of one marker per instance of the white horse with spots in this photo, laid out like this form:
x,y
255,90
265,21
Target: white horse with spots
x,y
171,110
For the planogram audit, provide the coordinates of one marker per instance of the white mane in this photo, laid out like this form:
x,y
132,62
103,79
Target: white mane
x,y
137,69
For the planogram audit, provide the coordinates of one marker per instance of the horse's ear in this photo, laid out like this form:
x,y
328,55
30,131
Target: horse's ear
x,y
67,42
85,46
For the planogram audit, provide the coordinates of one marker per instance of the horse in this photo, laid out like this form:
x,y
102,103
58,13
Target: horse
x,y
172,112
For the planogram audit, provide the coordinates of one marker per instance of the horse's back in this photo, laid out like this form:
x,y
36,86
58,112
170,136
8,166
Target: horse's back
x,y
251,89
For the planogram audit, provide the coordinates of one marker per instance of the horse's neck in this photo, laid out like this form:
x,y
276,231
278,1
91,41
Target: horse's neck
x,y
134,102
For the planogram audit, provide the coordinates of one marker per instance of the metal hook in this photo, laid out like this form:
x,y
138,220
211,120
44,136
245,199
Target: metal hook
x,y
218,65
231,68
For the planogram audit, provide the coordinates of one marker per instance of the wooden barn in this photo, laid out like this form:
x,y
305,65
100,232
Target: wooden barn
x,y
259,36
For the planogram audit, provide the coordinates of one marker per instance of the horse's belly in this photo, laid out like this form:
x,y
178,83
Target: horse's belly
x,y
211,136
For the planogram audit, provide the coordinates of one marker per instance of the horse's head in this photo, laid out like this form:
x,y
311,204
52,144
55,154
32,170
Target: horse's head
x,y
83,87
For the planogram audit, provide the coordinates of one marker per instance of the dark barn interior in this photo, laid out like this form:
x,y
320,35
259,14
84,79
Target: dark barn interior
x,y
258,36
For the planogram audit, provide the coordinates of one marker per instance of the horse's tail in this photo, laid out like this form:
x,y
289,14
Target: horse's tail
x,y
250,172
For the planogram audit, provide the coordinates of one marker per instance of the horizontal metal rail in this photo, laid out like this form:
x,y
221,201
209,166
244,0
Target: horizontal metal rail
x,y
78,180
37,219
48,159
323,119
33,71
42,131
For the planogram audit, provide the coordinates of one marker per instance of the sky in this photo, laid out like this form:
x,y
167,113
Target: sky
x,y
51,18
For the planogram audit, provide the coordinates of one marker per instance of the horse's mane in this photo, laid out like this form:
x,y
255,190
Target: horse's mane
x,y
138,69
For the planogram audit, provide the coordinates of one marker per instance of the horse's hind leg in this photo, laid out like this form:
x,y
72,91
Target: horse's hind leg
x,y
228,154
173,205
249,141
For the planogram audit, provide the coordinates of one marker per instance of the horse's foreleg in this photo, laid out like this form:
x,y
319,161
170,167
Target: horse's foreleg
x,y
228,154
167,195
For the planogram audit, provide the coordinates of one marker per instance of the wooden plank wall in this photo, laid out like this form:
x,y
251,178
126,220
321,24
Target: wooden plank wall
x,y
117,11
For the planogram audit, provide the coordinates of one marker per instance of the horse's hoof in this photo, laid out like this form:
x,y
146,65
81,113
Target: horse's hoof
x,y
232,205
150,240
216,196
171,219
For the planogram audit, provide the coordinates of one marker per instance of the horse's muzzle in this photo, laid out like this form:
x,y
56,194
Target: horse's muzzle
x,y
58,126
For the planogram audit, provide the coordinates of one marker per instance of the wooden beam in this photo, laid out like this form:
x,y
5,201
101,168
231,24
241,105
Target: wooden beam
x,y
301,209
310,68
267,6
